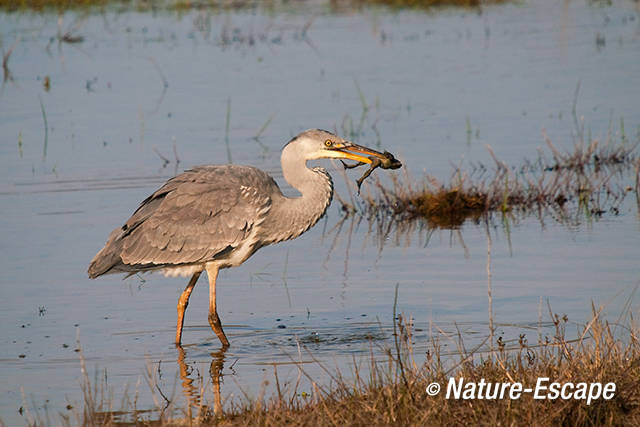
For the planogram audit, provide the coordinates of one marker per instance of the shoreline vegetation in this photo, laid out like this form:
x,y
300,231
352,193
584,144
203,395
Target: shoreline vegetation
x,y
393,391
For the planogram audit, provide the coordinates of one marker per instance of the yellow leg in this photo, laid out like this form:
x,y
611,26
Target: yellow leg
x,y
183,302
214,320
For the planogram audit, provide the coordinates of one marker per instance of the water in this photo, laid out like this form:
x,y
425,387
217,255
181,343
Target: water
x,y
437,87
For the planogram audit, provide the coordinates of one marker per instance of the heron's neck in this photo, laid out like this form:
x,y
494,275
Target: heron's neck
x,y
297,214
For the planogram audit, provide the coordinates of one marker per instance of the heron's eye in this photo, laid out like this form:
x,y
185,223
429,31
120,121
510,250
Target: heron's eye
x,y
328,143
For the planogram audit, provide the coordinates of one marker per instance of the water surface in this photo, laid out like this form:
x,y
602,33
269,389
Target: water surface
x,y
433,88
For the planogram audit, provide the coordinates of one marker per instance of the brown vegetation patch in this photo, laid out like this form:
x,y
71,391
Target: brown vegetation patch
x,y
427,4
60,5
447,208
589,180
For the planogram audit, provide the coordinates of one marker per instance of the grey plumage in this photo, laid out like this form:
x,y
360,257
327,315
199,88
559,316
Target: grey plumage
x,y
195,217
213,217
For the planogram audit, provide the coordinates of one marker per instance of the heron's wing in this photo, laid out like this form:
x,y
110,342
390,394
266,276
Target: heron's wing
x,y
197,215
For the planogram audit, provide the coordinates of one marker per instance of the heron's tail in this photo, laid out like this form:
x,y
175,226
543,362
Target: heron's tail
x,y
97,267
108,257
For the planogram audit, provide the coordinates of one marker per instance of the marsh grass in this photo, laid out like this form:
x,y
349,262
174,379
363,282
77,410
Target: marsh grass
x,y
42,5
138,5
394,390
391,389
181,5
430,4
584,182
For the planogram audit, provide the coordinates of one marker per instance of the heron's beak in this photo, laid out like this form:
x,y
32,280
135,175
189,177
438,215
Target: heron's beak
x,y
351,151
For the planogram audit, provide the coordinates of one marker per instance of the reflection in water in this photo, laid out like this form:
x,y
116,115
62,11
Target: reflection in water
x,y
215,372
337,232
193,393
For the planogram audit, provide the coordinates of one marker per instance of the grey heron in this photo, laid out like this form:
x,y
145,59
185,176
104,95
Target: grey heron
x,y
217,216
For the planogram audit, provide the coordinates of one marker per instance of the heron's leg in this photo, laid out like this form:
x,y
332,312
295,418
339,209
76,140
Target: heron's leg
x,y
214,320
183,302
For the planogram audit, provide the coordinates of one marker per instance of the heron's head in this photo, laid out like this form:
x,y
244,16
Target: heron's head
x,y
320,144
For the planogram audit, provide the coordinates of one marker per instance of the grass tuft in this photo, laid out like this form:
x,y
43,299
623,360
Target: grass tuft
x,y
394,391
585,180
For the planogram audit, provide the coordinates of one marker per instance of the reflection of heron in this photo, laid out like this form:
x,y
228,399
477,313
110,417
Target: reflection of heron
x,y
214,217
192,393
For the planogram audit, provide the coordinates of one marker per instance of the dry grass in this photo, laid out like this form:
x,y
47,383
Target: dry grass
x,y
393,389
393,392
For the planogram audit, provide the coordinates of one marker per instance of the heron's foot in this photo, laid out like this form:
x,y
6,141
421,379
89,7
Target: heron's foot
x,y
216,326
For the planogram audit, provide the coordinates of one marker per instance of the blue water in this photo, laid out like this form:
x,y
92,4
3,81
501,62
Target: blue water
x,y
434,89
